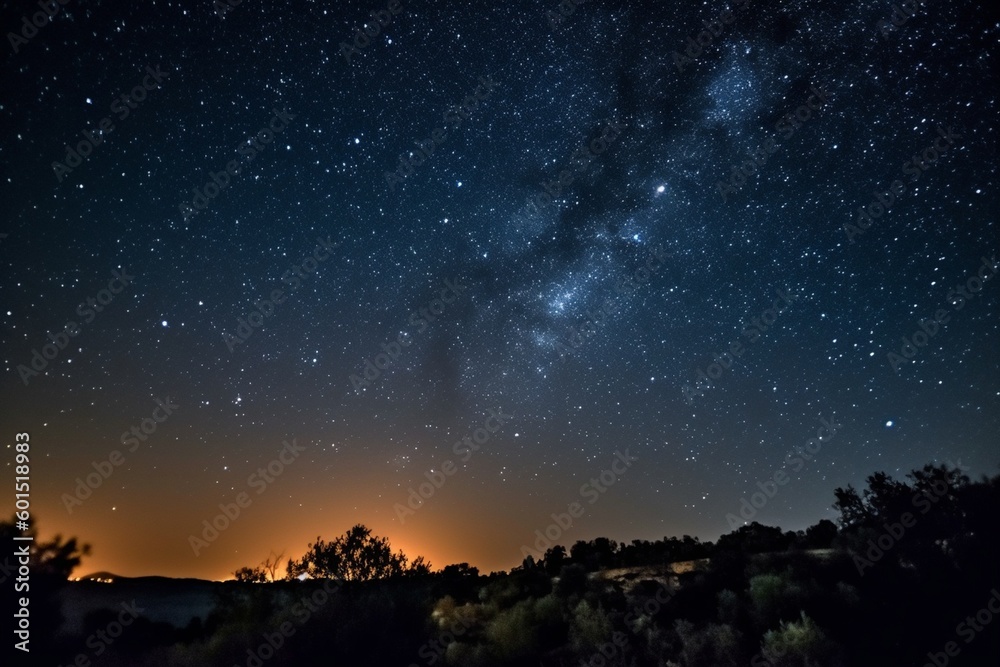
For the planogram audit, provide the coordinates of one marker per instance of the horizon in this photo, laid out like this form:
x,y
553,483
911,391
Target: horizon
x,y
471,272
86,569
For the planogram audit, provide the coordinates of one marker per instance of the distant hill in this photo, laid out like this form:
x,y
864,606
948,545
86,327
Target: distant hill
x,y
100,576
162,599
109,577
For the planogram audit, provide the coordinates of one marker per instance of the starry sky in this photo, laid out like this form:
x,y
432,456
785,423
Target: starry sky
x,y
587,312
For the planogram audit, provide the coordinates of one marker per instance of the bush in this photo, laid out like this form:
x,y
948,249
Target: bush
x,y
799,644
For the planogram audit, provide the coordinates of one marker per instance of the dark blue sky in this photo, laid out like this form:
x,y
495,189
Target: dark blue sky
x,y
584,315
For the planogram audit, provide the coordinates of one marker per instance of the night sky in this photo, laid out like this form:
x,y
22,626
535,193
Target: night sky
x,y
393,207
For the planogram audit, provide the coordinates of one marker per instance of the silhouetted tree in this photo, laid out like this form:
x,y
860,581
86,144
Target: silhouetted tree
x,y
755,538
821,535
251,575
852,510
596,554
271,564
51,564
418,567
357,555
885,497
54,559
460,570
262,573
528,564
554,558
884,500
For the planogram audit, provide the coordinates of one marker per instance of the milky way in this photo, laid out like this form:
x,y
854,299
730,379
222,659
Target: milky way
x,y
689,231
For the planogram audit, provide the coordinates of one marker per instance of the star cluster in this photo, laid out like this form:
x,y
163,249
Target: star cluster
x,y
590,309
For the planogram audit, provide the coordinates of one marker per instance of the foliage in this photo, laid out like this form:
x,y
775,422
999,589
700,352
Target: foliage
x,y
251,575
357,555
55,559
799,644
762,596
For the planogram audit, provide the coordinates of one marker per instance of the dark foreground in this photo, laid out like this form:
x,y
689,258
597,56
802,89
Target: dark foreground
x,y
893,585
